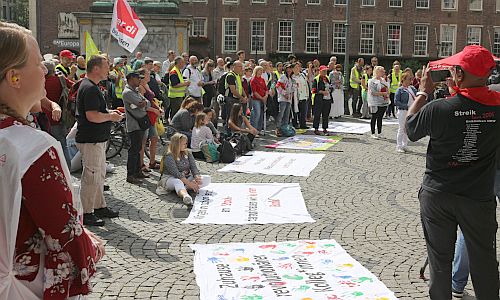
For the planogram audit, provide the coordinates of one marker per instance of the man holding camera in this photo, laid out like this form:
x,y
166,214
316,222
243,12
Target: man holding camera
x,y
458,185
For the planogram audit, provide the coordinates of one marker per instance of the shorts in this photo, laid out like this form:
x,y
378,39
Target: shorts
x,y
151,132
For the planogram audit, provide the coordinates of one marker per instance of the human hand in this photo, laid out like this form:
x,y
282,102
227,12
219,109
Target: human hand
x,y
56,112
187,83
200,83
197,179
193,185
426,83
73,69
99,243
115,117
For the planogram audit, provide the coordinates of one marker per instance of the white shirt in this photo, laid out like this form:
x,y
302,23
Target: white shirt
x,y
164,68
302,86
194,76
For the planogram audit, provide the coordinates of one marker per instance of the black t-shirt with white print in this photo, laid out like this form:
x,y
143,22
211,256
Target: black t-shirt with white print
x,y
464,139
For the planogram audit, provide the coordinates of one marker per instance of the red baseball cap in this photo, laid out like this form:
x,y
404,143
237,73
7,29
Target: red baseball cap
x,y
66,53
322,68
473,59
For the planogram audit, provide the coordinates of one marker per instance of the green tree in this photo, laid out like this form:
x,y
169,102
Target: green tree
x,y
20,13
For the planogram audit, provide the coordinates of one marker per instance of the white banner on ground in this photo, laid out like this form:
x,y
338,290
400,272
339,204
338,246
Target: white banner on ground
x,y
126,26
347,127
249,203
384,121
297,270
275,163
306,142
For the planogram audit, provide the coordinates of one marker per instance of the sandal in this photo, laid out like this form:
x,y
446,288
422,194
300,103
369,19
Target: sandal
x,y
316,132
325,132
145,169
154,166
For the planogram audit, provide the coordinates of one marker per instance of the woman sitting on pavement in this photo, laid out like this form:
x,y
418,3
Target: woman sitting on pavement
x,y
183,120
201,134
404,97
211,115
238,123
179,170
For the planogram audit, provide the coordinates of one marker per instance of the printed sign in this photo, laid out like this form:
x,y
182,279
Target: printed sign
x,y
298,270
249,203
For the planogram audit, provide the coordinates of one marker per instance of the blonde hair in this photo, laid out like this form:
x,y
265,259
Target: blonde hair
x,y
14,51
405,76
376,69
256,69
174,147
200,118
188,100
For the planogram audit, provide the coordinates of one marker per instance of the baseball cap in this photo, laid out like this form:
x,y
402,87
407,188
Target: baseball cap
x,y
66,53
473,59
135,75
322,68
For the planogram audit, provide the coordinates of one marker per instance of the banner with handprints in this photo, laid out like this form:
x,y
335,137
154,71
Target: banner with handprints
x,y
297,270
306,142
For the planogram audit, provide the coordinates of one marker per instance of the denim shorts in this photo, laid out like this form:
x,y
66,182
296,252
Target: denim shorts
x,y
152,131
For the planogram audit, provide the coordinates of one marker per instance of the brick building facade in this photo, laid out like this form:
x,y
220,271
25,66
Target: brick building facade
x,y
389,29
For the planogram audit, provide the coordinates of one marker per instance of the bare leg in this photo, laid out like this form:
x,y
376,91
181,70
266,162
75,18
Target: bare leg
x,y
153,143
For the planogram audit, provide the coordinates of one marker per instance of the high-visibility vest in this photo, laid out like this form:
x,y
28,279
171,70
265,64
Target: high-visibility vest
x,y
239,84
395,81
278,75
365,76
317,84
353,83
63,69
177,92
118,87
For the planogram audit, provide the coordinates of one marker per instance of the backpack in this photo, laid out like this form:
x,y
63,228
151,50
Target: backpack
x,y
67,103
227,154
210,152
287,131
243,143
221,85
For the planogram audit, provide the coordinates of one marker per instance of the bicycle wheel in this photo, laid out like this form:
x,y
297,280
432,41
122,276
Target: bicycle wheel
x,y
116,141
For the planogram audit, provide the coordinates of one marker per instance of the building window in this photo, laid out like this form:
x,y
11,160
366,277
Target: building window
x,y
449,4
259,1
394,40
230,35
230,1
285,36
258,36
395,3
448,40
496,42
473,35
420,37
313,2
199,27
339,35
476,5
368,3
340,2
422,3
285,1
204,1
498,5
366,38
312,37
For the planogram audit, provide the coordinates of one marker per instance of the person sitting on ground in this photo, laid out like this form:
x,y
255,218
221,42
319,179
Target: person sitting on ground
x,y
186,102
238,123
178,170
201,134
183,121
211,115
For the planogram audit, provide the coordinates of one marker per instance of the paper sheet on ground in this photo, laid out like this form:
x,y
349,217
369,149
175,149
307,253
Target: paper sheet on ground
x,y
297,270
384,121
306,142
249,203
347,127
275,163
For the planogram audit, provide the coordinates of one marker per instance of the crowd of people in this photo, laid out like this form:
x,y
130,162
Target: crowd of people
x,y
85,96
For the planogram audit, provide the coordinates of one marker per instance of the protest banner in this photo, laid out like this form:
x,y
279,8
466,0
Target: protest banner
x,y
126,26
275,163
310,269
249,203
347,127
306,142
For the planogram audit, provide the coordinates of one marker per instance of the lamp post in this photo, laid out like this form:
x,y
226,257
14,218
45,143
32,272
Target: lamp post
x,y
294,6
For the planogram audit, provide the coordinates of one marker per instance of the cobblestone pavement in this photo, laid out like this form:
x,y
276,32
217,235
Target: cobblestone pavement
x,y
362,194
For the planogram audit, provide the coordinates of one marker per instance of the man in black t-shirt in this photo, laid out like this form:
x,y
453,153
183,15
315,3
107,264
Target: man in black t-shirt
x,y
458,185
94,124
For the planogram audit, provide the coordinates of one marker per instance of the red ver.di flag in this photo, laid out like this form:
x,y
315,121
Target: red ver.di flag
x,y
126,26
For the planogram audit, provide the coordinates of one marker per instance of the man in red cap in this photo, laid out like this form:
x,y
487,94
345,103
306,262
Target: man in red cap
x,y
458,185
66,66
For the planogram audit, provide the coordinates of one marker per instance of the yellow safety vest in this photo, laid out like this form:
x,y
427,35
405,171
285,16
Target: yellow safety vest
x,y
66,70
177,92
317,84
118,87
365,76
354,84
278,75
395,81
239,84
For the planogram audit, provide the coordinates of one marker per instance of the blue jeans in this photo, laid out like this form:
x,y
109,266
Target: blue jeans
x,y
460,273
257,114
283,114
59,132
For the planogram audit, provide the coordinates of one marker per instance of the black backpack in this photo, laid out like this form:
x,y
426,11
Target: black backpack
x,y
221,85
227,154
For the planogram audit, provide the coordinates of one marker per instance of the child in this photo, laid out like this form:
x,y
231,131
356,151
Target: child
x,y
178,170
201,133
211,116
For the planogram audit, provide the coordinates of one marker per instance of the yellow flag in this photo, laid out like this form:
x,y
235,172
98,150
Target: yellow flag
x,y
90,47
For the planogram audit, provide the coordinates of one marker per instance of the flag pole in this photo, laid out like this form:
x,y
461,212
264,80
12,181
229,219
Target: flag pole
x,y
109,44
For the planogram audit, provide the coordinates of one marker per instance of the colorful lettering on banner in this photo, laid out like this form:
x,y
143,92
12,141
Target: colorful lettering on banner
x,y
126,26
284,270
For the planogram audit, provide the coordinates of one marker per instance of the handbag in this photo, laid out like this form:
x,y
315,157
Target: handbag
x,y
160,128
209,150
143,122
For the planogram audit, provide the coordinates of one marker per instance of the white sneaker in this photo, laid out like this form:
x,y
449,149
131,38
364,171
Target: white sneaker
x,y
188,200
375,136
161,190
400,150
